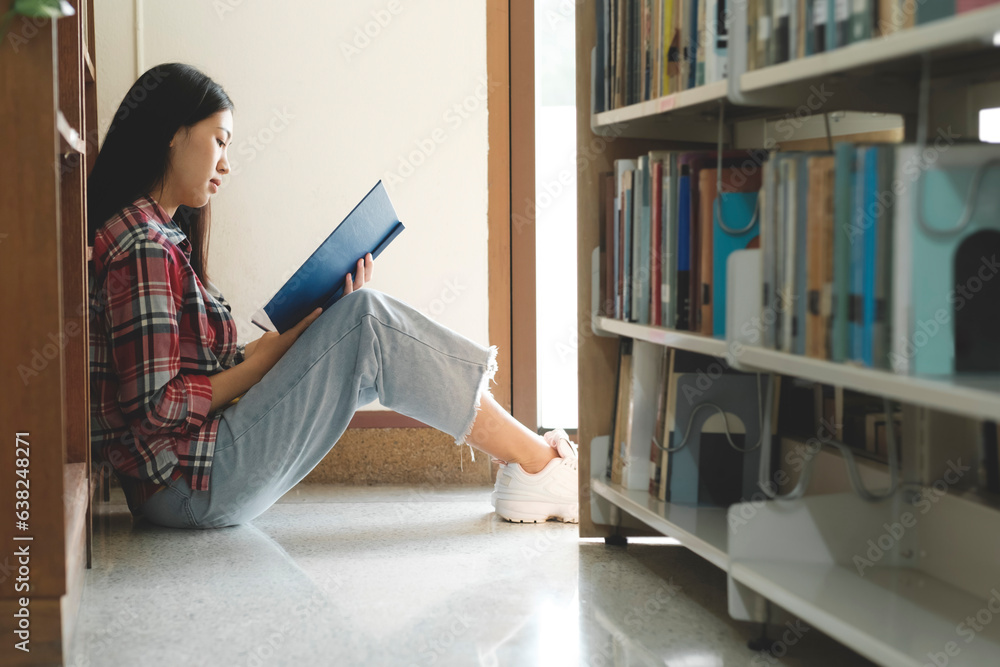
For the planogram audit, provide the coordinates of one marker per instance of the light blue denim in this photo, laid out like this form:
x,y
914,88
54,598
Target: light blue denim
x,y
368,345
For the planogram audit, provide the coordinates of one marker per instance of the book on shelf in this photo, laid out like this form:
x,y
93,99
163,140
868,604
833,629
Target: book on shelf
x,y
735,226
782,30
620,447
369,228
733,180
646,49
609,244
657,445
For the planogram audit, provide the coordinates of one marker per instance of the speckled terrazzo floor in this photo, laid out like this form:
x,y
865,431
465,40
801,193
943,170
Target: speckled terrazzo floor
x,y
404,576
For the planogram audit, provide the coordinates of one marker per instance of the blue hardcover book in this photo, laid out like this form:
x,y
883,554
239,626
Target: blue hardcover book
x,y
856,240
869,254
737,210
319,282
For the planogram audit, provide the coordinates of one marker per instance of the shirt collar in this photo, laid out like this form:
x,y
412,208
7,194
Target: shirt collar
x,y
153,208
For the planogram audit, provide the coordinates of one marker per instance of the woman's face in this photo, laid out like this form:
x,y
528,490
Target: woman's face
x,y
198,159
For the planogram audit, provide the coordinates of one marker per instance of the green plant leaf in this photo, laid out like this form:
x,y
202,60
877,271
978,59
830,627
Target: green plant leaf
x,y
46,9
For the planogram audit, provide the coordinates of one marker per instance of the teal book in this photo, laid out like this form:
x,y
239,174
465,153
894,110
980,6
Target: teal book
x,y
862,20
738,209
843,189
838,23
955,289
932,10
856,241
869,252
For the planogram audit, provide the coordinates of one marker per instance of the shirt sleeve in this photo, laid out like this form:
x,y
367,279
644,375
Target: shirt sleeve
x,y
144,327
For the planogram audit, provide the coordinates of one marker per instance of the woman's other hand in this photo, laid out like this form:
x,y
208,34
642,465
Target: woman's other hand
x,y
248,349
364,273
270,347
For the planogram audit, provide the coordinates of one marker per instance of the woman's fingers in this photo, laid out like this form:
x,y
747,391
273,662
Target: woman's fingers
x,y
363,272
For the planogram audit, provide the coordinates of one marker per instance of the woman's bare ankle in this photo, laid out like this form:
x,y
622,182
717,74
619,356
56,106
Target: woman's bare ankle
x,y
537,464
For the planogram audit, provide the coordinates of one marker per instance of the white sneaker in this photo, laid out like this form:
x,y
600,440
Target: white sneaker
x,y
550,493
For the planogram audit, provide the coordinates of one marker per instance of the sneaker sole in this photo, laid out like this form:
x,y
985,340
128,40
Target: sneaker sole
x,y
521,511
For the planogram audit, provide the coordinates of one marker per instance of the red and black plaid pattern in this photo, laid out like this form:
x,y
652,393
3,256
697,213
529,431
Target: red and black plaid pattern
x,y
156,335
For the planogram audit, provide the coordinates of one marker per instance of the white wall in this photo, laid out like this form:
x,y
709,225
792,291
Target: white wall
x,y
322,112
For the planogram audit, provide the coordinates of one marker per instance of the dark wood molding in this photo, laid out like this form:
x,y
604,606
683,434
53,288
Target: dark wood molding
x,y
522,197
498,204
383,419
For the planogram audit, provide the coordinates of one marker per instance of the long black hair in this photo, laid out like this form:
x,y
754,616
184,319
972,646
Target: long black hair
x,y
133,158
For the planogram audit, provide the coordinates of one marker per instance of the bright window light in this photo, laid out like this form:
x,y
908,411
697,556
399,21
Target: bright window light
x,y
989,125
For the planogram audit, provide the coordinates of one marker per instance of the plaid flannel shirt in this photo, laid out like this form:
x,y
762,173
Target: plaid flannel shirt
x,y
156,336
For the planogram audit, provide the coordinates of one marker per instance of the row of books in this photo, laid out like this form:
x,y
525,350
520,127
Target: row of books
x,y
705,444
781,30
647,49
882,255
692,460
660,238
650,48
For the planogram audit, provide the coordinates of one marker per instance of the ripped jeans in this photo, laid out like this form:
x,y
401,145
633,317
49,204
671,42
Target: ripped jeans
x,y
368,345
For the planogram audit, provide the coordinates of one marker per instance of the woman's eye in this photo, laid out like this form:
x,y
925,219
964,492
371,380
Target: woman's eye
x,y
222,144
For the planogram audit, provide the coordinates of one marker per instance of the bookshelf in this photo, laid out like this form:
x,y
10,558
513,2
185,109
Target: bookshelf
x,y
49,136
797,556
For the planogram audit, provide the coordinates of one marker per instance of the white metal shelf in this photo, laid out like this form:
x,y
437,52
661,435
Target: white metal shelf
x,y
894,616
974,396
706,96
703,530
682,340
970,395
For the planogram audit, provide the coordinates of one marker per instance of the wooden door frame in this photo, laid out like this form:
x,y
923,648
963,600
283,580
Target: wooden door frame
x,y
510,56
510,69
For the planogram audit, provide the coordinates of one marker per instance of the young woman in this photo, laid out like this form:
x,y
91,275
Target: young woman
x,y
165,365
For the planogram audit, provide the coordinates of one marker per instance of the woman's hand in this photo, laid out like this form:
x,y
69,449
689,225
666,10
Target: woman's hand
x,y
364,272
248,349
270,347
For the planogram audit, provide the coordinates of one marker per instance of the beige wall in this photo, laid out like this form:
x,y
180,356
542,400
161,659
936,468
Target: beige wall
x,y
322,112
